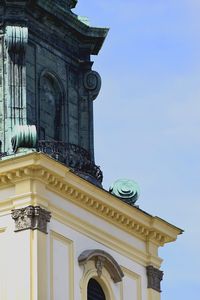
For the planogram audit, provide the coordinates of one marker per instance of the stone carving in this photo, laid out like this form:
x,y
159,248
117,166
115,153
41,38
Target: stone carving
x,y
100,262
92,83
154,277
102,259
16,38
31,217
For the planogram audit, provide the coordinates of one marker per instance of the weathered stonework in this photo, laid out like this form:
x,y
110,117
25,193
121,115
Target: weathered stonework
x,y
154,277
31,217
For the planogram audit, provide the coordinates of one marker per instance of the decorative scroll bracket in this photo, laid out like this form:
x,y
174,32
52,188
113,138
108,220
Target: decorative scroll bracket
x,y
16,38
154,277
31,217
92,83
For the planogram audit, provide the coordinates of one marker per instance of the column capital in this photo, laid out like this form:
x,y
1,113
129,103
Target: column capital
x,y
154,277
31,217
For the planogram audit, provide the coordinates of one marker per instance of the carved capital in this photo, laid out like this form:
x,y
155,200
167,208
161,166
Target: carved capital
x,y
92,83
31,217
16,38
154,277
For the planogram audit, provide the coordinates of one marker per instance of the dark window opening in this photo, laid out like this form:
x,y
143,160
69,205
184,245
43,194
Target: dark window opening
x,y
50,110
95,291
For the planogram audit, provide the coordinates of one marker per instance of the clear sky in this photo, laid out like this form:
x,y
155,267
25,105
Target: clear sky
x,y
147,118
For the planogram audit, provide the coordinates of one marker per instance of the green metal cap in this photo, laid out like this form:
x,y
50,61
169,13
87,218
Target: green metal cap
x,y
125,189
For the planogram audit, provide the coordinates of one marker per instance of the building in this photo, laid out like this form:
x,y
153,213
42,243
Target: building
x,y
62,236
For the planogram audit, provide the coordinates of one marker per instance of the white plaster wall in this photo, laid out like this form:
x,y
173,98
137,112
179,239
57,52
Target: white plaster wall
x,y
134,286
95,221
64,245
60,271
14,261
6,193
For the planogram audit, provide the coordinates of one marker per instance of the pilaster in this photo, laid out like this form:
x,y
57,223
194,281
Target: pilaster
x,y
153,295
39,270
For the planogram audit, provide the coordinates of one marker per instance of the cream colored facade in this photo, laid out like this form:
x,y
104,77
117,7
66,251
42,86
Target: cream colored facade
x,y
39,266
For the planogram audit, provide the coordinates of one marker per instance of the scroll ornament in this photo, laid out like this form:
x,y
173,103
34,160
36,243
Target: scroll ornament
x,y
125,189
16,38
92,83
24,136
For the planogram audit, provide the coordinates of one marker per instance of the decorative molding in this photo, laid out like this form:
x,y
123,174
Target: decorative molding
x,y
130,219
89,272
134,277
92,83
24,136
14,94
69,247
154,277
16,38
111,241
99,264
102,259
31,217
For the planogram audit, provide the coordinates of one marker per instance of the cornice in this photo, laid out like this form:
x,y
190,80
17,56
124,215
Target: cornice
x,y
61,180
18,12
92,35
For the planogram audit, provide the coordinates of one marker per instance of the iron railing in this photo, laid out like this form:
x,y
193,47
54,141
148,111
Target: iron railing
x,y
71,155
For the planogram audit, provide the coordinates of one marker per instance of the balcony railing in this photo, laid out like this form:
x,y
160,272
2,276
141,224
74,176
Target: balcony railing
x,y
73,156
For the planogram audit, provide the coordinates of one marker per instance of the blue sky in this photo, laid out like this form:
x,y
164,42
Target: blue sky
x,y
147,118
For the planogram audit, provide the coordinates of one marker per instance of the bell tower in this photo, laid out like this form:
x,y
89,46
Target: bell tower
x,y
47,80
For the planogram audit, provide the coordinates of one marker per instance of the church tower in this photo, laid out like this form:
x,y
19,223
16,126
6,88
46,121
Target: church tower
x,y
47,80
62,236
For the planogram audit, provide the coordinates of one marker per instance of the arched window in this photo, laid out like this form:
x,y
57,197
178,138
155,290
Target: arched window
x,y
100,273
50,109
95,291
